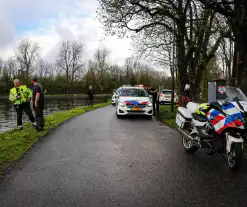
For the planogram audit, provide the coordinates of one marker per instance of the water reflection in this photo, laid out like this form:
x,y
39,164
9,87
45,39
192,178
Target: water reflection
x,y
8,114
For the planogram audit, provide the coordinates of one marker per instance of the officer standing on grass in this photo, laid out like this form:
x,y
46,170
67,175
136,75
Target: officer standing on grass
x,y
38,104
20,96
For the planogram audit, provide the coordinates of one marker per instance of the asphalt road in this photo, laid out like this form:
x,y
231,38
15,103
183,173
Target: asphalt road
x,y
99,160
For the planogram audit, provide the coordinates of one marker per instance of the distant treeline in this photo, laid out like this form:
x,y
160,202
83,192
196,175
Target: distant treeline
x,y
69,74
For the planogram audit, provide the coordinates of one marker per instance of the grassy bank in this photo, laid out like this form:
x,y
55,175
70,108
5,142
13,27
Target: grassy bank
x,y
166,116
14,144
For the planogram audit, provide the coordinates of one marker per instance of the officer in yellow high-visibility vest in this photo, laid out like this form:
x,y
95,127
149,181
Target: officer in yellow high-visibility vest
x,y
20,96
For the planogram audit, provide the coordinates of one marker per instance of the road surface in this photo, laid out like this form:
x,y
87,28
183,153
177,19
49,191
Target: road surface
x,y
99,160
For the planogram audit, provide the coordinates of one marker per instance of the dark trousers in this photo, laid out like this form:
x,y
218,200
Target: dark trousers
x,y
154,103
157,106
90,101
39,115
24,107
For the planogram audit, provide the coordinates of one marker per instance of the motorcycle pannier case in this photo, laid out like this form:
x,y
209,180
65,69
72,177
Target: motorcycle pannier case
x,y
183,115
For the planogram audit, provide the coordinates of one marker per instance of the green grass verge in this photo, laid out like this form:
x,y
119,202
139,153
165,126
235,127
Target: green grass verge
x,y
14,144
166,116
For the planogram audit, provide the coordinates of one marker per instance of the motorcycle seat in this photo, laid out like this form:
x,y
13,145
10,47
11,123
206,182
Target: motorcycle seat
x,y
199,117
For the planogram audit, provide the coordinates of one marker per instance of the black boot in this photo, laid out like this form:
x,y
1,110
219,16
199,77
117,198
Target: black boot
x,y
38,129
40,124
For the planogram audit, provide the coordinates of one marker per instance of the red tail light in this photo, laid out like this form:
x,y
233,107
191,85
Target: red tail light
x,y
161,94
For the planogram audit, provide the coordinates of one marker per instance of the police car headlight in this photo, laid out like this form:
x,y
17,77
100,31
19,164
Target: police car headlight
x,y
149,104
121,103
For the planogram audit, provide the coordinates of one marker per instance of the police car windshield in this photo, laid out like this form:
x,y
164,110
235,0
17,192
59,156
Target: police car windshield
x,y
134,92
166,92
234,94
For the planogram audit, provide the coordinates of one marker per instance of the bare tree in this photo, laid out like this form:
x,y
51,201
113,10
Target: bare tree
x,y
44,69
5,77
90,73
225,53
143,16
129,65
12,67
101,56
27,53
116,74
235,12
69,59
1,66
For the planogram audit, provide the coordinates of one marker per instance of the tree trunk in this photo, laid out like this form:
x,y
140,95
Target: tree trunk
x,y
67,82
239,28
239,60
196,85
181,54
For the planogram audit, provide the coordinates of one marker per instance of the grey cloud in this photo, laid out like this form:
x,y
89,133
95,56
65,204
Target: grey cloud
x,y
29,10
7,35
65,34
14,12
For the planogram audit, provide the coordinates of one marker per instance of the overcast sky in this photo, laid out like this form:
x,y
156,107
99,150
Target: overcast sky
x,y
50,21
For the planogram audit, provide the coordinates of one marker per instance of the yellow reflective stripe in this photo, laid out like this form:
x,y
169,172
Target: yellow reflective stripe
x,y
30,93
24,93
12,96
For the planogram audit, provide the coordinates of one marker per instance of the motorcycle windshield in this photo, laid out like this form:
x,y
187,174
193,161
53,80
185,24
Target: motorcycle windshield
x,y
234,94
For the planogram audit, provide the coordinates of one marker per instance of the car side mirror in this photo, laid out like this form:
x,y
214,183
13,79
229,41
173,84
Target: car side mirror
x,y
150,96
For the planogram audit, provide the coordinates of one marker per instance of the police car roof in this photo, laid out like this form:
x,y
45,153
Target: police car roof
x,y
132,87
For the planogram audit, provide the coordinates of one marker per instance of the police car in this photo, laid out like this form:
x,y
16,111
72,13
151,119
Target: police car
x,y
116,93
134,101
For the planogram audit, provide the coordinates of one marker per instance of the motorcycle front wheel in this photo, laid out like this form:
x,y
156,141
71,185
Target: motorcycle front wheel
x,y
235,156
188,145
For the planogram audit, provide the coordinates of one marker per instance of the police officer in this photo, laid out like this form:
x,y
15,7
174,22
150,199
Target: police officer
x,y
152,91
38,104
20,96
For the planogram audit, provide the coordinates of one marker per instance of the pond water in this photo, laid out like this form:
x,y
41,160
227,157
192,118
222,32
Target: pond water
x,y
8,114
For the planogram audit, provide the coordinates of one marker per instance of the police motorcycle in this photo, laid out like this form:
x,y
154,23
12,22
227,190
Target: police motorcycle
x,y
219,127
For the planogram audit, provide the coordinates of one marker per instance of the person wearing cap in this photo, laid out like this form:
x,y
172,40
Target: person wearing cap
x,y
20,96
38,104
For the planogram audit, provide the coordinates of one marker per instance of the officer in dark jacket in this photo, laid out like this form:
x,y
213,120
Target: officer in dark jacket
x,y
38,104
153,92
90,94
